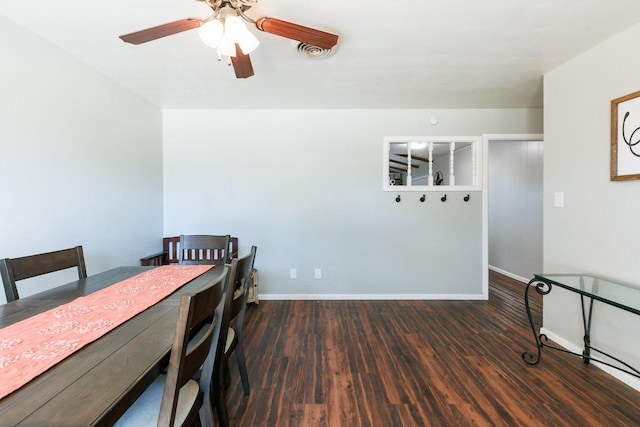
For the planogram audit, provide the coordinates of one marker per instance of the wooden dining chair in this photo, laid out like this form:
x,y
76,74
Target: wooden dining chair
x,y
169,254
203,249
16,269
236,305
176,399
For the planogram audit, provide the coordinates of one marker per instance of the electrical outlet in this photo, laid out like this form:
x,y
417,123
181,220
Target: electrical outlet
x,y
293,273
318,273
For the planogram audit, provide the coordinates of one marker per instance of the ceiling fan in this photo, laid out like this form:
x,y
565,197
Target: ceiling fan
x,y
225,31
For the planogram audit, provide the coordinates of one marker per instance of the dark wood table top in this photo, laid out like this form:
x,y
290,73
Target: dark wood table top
x,y
96,384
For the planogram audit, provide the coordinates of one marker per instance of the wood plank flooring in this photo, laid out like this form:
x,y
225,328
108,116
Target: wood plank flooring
x,y
416,363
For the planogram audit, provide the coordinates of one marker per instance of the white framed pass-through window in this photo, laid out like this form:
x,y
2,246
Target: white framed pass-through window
x,y
434,163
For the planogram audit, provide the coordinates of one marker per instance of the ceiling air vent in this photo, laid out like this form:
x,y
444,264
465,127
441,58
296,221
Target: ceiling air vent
x,y
314,52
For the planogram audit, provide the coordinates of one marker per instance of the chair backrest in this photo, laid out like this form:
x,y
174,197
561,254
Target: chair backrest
x,y
171,245
196,309
236,294
15,269
242,282
203,249
212,367
170,249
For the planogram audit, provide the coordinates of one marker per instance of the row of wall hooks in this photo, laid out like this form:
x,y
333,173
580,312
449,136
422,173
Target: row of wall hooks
x,y
443,199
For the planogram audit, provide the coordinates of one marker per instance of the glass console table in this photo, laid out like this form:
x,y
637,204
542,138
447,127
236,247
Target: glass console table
x,y
590,288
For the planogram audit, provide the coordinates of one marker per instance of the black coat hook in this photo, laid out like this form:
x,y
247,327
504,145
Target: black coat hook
x,y
423,198
443,198
466,198
398,199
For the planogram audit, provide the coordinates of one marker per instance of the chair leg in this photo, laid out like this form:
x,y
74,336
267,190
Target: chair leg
x,y
205,419
226,375
220,398
242,367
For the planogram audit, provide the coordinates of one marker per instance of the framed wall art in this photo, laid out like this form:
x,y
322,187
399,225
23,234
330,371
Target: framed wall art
x,y
625,137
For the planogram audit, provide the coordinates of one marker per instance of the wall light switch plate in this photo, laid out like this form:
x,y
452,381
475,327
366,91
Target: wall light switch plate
x,y
293,273
558,199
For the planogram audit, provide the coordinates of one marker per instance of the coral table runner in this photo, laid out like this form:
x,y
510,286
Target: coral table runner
x,y
31,346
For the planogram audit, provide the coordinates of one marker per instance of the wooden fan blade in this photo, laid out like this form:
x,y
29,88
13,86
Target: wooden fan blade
x,y
160,31
242,64
297,32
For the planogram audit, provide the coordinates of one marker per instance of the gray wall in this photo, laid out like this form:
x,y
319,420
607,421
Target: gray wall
x,y
305,186
598,229
81,159
515,207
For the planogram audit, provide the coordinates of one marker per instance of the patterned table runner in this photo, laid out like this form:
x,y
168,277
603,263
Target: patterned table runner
x,y
31,346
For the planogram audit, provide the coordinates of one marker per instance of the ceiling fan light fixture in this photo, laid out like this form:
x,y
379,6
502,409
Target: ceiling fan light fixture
x,y
226,47
234,27
211,33
224,32
237,31
248,42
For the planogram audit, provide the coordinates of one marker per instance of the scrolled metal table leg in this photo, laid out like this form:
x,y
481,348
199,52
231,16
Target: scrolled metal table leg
x,y
542,288
586,321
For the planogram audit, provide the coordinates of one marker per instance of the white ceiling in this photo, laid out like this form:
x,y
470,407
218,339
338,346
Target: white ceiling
x,y
410,54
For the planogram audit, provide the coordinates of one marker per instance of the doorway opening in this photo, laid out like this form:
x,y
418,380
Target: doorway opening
x,y
512,206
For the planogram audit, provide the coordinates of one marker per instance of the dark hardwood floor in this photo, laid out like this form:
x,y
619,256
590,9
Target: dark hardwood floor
x,y
416,363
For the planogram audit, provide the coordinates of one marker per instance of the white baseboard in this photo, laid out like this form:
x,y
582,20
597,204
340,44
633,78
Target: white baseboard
x,y
389,297
506,273
630,380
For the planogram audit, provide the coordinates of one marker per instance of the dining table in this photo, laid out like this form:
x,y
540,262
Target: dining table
x,y
96,384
